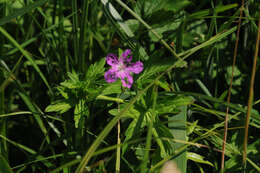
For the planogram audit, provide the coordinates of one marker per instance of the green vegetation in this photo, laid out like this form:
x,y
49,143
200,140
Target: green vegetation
x,y
198,87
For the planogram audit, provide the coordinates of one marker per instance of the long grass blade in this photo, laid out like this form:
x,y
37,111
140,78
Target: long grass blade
x,y
22,11
27,55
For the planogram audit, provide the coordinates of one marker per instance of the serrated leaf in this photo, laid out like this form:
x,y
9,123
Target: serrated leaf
x,y
163,131
96,69
170,104
81,109
131,112
191,127
112,88
73,81
73,76
231,149
198,158
238,77
140,151
164,85
253,148
59,106
68,84
62,92
181,64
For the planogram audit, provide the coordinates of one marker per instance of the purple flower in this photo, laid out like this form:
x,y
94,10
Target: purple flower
x,y
122,68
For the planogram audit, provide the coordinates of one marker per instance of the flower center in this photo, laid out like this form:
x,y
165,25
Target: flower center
x,y
121,67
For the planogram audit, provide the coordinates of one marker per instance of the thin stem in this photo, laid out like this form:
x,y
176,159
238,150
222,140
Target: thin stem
x,y
118,149
251,95
229,90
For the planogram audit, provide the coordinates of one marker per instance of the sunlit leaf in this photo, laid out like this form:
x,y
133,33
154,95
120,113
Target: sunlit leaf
x,y
198,158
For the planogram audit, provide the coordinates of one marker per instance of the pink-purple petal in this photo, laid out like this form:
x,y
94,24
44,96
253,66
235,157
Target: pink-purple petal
x,y
112,59
136,67
111,76
126,56
126,78
122,68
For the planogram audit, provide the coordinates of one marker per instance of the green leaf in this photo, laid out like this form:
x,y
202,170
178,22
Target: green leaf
x,y
4,166
198,158
195,33
59,106
140,151
131,112
133,24
134,130
169,104
81,109
112,88
238,77
164,85
231,149
113,99
73,82
96,69
62,92
160,131
161,29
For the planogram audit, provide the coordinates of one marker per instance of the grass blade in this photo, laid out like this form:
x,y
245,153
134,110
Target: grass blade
x,y
22,11
27,55
36,114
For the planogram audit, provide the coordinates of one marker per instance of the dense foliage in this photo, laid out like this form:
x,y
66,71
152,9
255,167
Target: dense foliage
x,y
59,114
